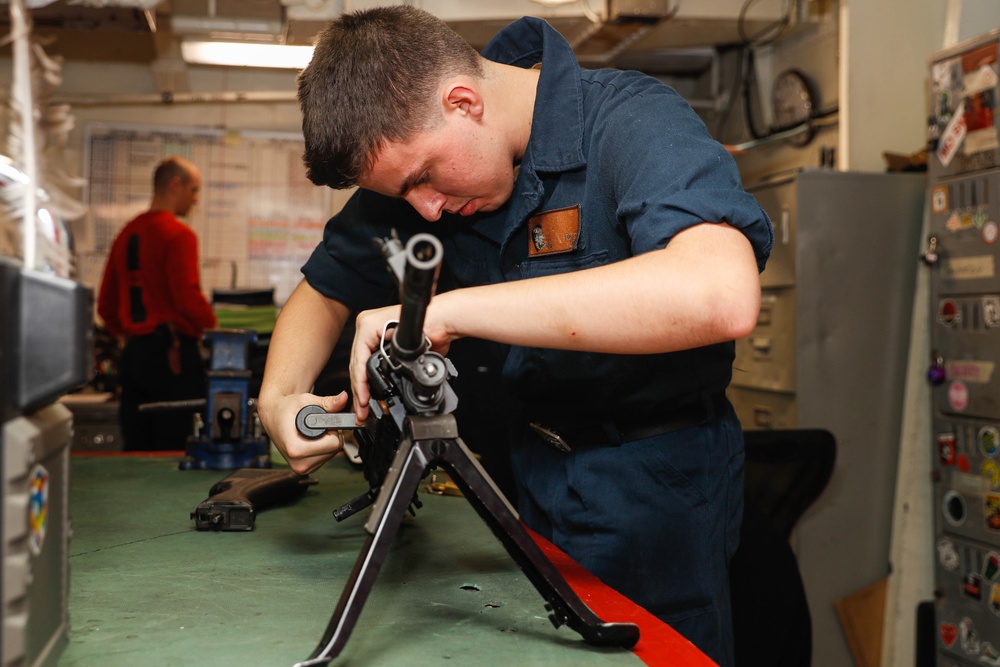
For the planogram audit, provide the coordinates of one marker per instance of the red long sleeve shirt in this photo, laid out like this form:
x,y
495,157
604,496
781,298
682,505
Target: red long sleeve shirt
x,y
152,278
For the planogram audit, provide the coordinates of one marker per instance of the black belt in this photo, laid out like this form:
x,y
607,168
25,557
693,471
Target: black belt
x,y
163,332
569,436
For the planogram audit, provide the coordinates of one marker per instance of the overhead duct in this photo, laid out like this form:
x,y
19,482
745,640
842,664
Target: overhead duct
x,y
641,33
228,19
63,24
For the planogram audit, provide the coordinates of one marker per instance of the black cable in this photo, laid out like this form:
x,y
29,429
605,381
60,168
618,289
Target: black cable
x,y
764,37
749,86
778,27
734,91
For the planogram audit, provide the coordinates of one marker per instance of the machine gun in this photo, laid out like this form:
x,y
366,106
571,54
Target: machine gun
x,y
412,430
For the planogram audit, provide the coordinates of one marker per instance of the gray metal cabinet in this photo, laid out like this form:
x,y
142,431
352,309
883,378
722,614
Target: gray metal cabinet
x,y
829,351
964,222
965,342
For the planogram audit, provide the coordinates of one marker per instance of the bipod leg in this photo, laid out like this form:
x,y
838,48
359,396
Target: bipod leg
x,y
408,468
494,508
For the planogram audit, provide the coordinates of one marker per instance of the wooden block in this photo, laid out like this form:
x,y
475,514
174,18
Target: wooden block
x,y
861,617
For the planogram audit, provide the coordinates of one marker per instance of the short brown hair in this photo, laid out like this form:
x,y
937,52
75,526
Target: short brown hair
x,y
373,78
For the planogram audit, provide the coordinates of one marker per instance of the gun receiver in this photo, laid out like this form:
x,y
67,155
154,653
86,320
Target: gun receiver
x,y
404,376
406,370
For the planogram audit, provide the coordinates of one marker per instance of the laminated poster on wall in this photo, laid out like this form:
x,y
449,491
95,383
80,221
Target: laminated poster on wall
x,y
258,219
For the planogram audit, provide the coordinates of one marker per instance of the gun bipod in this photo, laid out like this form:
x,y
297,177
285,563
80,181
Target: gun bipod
x,y
433,441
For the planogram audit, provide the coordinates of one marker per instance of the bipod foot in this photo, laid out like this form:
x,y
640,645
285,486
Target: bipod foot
x,y
565,605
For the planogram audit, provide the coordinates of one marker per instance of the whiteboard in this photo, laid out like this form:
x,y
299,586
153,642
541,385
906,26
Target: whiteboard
x,y
258,219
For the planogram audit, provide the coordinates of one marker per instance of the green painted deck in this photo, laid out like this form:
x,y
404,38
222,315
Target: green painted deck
x,y
146,588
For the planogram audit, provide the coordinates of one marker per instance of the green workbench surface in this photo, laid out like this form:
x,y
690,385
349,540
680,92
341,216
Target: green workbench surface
x,y
147,588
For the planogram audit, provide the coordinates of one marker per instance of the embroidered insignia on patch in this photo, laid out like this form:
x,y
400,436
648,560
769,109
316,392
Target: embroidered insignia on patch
x,y
553,232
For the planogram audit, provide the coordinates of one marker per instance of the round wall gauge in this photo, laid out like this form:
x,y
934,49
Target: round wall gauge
x,y
793,103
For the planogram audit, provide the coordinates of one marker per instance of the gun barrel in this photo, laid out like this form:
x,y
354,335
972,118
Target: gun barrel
x,y
423,262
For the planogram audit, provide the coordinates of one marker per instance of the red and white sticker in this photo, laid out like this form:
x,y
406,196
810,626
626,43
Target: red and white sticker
x,y
953,136
990,232
958,396
949,313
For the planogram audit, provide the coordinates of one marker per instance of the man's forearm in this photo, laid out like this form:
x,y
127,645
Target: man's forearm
x,y
303,338
703,288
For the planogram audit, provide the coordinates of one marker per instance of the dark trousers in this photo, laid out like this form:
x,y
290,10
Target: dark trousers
x,y
656,519
145,377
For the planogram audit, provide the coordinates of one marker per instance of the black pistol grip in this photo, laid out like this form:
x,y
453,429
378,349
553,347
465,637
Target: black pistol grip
x,y
233,502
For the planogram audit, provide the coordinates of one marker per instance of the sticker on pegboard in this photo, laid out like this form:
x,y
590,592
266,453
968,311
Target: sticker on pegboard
x,y
38,508
979,217
968,636
949,314
989,655
991,510
939,199
954,222
991,473
949,633
980,267
972,586
981,79
970,370
991,311
952,137
991,566
947,554
989,440
980,106
946,449
990,232
958,396
994,603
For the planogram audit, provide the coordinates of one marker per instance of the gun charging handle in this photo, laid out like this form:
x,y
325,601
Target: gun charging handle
x,y
313,422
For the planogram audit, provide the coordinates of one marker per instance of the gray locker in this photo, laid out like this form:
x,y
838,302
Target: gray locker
x,y
34,487
830,351
965,342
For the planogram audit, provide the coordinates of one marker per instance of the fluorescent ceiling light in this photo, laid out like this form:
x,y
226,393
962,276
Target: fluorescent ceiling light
x,y
246,54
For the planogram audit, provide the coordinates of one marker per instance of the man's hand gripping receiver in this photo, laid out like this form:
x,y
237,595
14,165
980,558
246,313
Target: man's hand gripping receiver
x,y
404,376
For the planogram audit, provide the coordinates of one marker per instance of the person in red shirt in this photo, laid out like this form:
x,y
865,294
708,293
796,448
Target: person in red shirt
x,y
151,299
